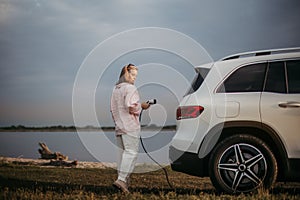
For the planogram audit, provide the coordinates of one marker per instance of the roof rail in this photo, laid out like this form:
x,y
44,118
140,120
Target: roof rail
x,y
261,53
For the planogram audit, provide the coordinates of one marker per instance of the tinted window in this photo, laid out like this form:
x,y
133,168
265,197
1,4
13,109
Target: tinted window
x,y
293,72
246,79
276,78
198,80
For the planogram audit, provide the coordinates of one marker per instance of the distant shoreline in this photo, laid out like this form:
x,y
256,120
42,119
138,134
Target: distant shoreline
x,y
74,129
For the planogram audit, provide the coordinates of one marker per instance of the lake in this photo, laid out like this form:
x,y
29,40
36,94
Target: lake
x,y
83,146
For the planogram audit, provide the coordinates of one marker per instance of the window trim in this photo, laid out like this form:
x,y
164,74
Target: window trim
x,y
286,78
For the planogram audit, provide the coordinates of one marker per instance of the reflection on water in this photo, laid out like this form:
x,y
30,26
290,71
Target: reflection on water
x,y
88,146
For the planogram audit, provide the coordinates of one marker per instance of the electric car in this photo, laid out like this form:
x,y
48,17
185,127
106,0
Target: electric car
x,y
239,124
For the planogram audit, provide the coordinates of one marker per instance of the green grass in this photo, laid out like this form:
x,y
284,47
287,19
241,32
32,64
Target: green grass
x,y
19,181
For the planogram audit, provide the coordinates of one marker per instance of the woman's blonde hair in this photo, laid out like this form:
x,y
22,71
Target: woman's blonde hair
x,y
125,73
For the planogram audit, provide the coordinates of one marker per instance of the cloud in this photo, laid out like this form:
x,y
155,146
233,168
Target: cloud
x,y
43,43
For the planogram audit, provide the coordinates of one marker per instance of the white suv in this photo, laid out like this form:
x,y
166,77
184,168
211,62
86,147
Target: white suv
x,y
240,122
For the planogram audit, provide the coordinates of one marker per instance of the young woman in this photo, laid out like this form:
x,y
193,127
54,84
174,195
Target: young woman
x,y
125,109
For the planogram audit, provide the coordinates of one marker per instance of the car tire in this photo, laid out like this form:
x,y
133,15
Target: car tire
x,y
241,164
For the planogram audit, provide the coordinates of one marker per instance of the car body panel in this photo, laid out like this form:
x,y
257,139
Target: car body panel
x,y
285,121
195,138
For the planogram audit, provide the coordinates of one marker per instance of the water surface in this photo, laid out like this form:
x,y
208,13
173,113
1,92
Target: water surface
x,y
86,146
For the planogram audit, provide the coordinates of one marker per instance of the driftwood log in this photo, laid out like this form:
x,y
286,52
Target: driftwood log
x,y
47,154
56,158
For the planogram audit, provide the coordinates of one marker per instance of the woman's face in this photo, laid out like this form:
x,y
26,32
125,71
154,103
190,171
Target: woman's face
x,y
132,76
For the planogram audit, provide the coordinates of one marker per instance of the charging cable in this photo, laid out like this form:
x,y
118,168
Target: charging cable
x,y
152,102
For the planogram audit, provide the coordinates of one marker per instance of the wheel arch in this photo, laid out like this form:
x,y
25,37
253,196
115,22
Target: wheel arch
x,y
257,129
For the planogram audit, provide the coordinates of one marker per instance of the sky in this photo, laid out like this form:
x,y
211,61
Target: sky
x,y
46,46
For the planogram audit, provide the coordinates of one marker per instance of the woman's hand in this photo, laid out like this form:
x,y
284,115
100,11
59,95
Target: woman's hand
x,y
145,105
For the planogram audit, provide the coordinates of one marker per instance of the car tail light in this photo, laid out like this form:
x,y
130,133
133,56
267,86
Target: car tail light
x,y
186,112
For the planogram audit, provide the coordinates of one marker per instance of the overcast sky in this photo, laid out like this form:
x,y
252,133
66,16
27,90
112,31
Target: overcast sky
x,y
43,44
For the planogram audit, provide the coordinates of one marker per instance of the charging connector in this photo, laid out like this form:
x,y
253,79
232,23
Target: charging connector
x,y
151,101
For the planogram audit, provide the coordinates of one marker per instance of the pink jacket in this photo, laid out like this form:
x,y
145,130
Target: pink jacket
x,y
125,109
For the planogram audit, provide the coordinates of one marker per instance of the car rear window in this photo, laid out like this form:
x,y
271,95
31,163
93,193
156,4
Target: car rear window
x,y
198,80
245,79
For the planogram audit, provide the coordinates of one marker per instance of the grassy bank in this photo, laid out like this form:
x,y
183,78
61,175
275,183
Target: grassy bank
x,y
21,181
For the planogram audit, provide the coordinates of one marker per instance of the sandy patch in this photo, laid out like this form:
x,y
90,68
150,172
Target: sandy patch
x,y
47,163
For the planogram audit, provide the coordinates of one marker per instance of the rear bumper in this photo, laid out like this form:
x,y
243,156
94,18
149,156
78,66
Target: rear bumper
x,y
188,163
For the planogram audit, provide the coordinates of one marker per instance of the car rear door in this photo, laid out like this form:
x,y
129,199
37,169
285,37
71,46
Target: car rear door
x,y
280,103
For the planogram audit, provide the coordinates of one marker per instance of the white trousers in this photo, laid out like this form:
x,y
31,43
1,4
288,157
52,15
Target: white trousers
x,y
128,152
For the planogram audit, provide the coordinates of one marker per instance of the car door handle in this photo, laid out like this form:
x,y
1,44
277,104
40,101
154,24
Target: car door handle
x,y
290,104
